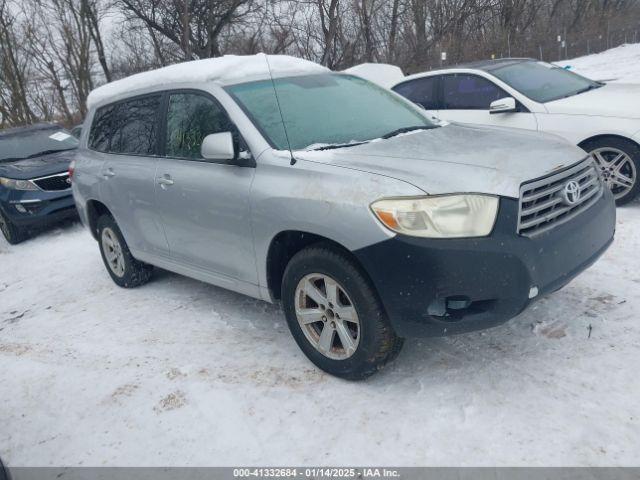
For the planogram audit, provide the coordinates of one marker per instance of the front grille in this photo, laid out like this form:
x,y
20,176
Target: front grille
x,y
54,183
551,201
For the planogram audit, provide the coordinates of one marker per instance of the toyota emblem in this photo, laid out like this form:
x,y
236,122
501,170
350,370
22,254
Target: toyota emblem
x,y
571,193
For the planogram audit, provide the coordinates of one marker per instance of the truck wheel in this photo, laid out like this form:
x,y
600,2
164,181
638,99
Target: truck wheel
x,y
334,314
12,233
126,271
619,162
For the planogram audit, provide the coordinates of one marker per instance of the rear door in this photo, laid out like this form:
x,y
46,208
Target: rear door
x,y
205,206
466,97
127,134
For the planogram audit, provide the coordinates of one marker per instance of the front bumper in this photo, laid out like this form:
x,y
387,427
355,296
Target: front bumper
x,y
436,287
36,208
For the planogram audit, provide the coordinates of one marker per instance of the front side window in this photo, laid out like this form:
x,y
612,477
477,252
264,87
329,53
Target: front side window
x,y
324,109
129,127
543,82
190,118
32,143
423,91
462,91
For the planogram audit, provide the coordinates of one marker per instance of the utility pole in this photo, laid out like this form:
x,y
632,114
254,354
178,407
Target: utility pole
x,y
559,47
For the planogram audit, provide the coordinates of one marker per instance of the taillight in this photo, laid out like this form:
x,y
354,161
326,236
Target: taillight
x,y
72,167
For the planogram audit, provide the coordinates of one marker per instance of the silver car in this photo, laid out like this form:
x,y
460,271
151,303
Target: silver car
x,y
369,222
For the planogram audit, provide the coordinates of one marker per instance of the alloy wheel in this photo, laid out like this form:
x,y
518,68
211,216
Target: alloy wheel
x,y
617,168
113,252
327,316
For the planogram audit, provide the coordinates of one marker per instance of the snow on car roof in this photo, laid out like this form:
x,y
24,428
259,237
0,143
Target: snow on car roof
x,y
224,70
382,74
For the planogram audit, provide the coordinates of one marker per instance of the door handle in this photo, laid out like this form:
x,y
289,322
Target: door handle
x,y
165,181
109,173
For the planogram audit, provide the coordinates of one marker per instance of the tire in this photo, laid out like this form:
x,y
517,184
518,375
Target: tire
x,y
12,233
4,471
373,342
125,271
607,149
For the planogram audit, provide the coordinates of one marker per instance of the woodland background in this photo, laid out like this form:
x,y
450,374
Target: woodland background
x,y
54,52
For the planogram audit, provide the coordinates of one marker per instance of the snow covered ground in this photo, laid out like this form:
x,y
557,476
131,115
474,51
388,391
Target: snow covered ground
x,y
182,373
621,64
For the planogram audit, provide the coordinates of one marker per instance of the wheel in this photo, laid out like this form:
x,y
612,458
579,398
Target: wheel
x,y
334,314
4,475
12,233
126,271
619,162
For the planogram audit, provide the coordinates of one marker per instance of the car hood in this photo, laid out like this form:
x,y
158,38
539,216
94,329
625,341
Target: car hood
x,y
37,166
612,100
458,158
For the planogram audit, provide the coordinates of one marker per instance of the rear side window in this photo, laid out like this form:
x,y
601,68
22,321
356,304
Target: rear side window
x,y
129,127
469,92
190,118
100,134
423,91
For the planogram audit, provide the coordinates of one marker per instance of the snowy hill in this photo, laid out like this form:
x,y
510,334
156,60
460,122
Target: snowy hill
x,y
621,64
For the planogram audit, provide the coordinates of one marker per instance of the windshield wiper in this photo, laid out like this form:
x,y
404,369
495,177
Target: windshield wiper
x,y
406,130
47,152
338,145
584,90
37,154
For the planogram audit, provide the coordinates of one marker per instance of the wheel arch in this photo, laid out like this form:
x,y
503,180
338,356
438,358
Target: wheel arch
x,y
95,209
603,136
285,245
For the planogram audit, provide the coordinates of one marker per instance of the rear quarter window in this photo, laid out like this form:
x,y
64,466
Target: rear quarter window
x,y
128,127
100,133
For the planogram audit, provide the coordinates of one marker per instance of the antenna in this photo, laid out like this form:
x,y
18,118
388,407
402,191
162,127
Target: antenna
x,y
286,135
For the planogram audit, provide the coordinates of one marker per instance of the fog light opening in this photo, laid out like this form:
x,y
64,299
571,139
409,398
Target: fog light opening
x,y
454,308
533,292
458,303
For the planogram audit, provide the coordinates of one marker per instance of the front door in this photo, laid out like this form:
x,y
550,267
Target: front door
x,y
205,206
466,99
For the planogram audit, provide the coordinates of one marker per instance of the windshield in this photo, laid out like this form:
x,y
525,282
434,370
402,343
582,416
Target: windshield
x,y
31,143
325,109
543,82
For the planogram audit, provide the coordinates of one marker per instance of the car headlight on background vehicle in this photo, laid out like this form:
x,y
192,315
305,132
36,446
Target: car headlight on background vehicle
x,y
17,184
441,216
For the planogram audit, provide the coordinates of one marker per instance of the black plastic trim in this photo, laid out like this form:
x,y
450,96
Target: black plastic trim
x,y
415,276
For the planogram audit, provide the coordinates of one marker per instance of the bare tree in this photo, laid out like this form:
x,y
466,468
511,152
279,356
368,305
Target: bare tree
x,y
53,52
203,24
14,101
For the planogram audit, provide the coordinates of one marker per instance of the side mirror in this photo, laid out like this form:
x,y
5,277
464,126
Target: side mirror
x,y
504,105
218,146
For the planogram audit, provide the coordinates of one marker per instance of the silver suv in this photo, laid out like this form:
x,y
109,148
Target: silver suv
x,y
367,220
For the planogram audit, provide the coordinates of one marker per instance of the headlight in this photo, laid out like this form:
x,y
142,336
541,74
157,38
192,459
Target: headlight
x,y
17,184
445,216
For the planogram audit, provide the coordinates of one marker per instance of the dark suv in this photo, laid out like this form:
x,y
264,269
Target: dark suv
x,y
34,178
